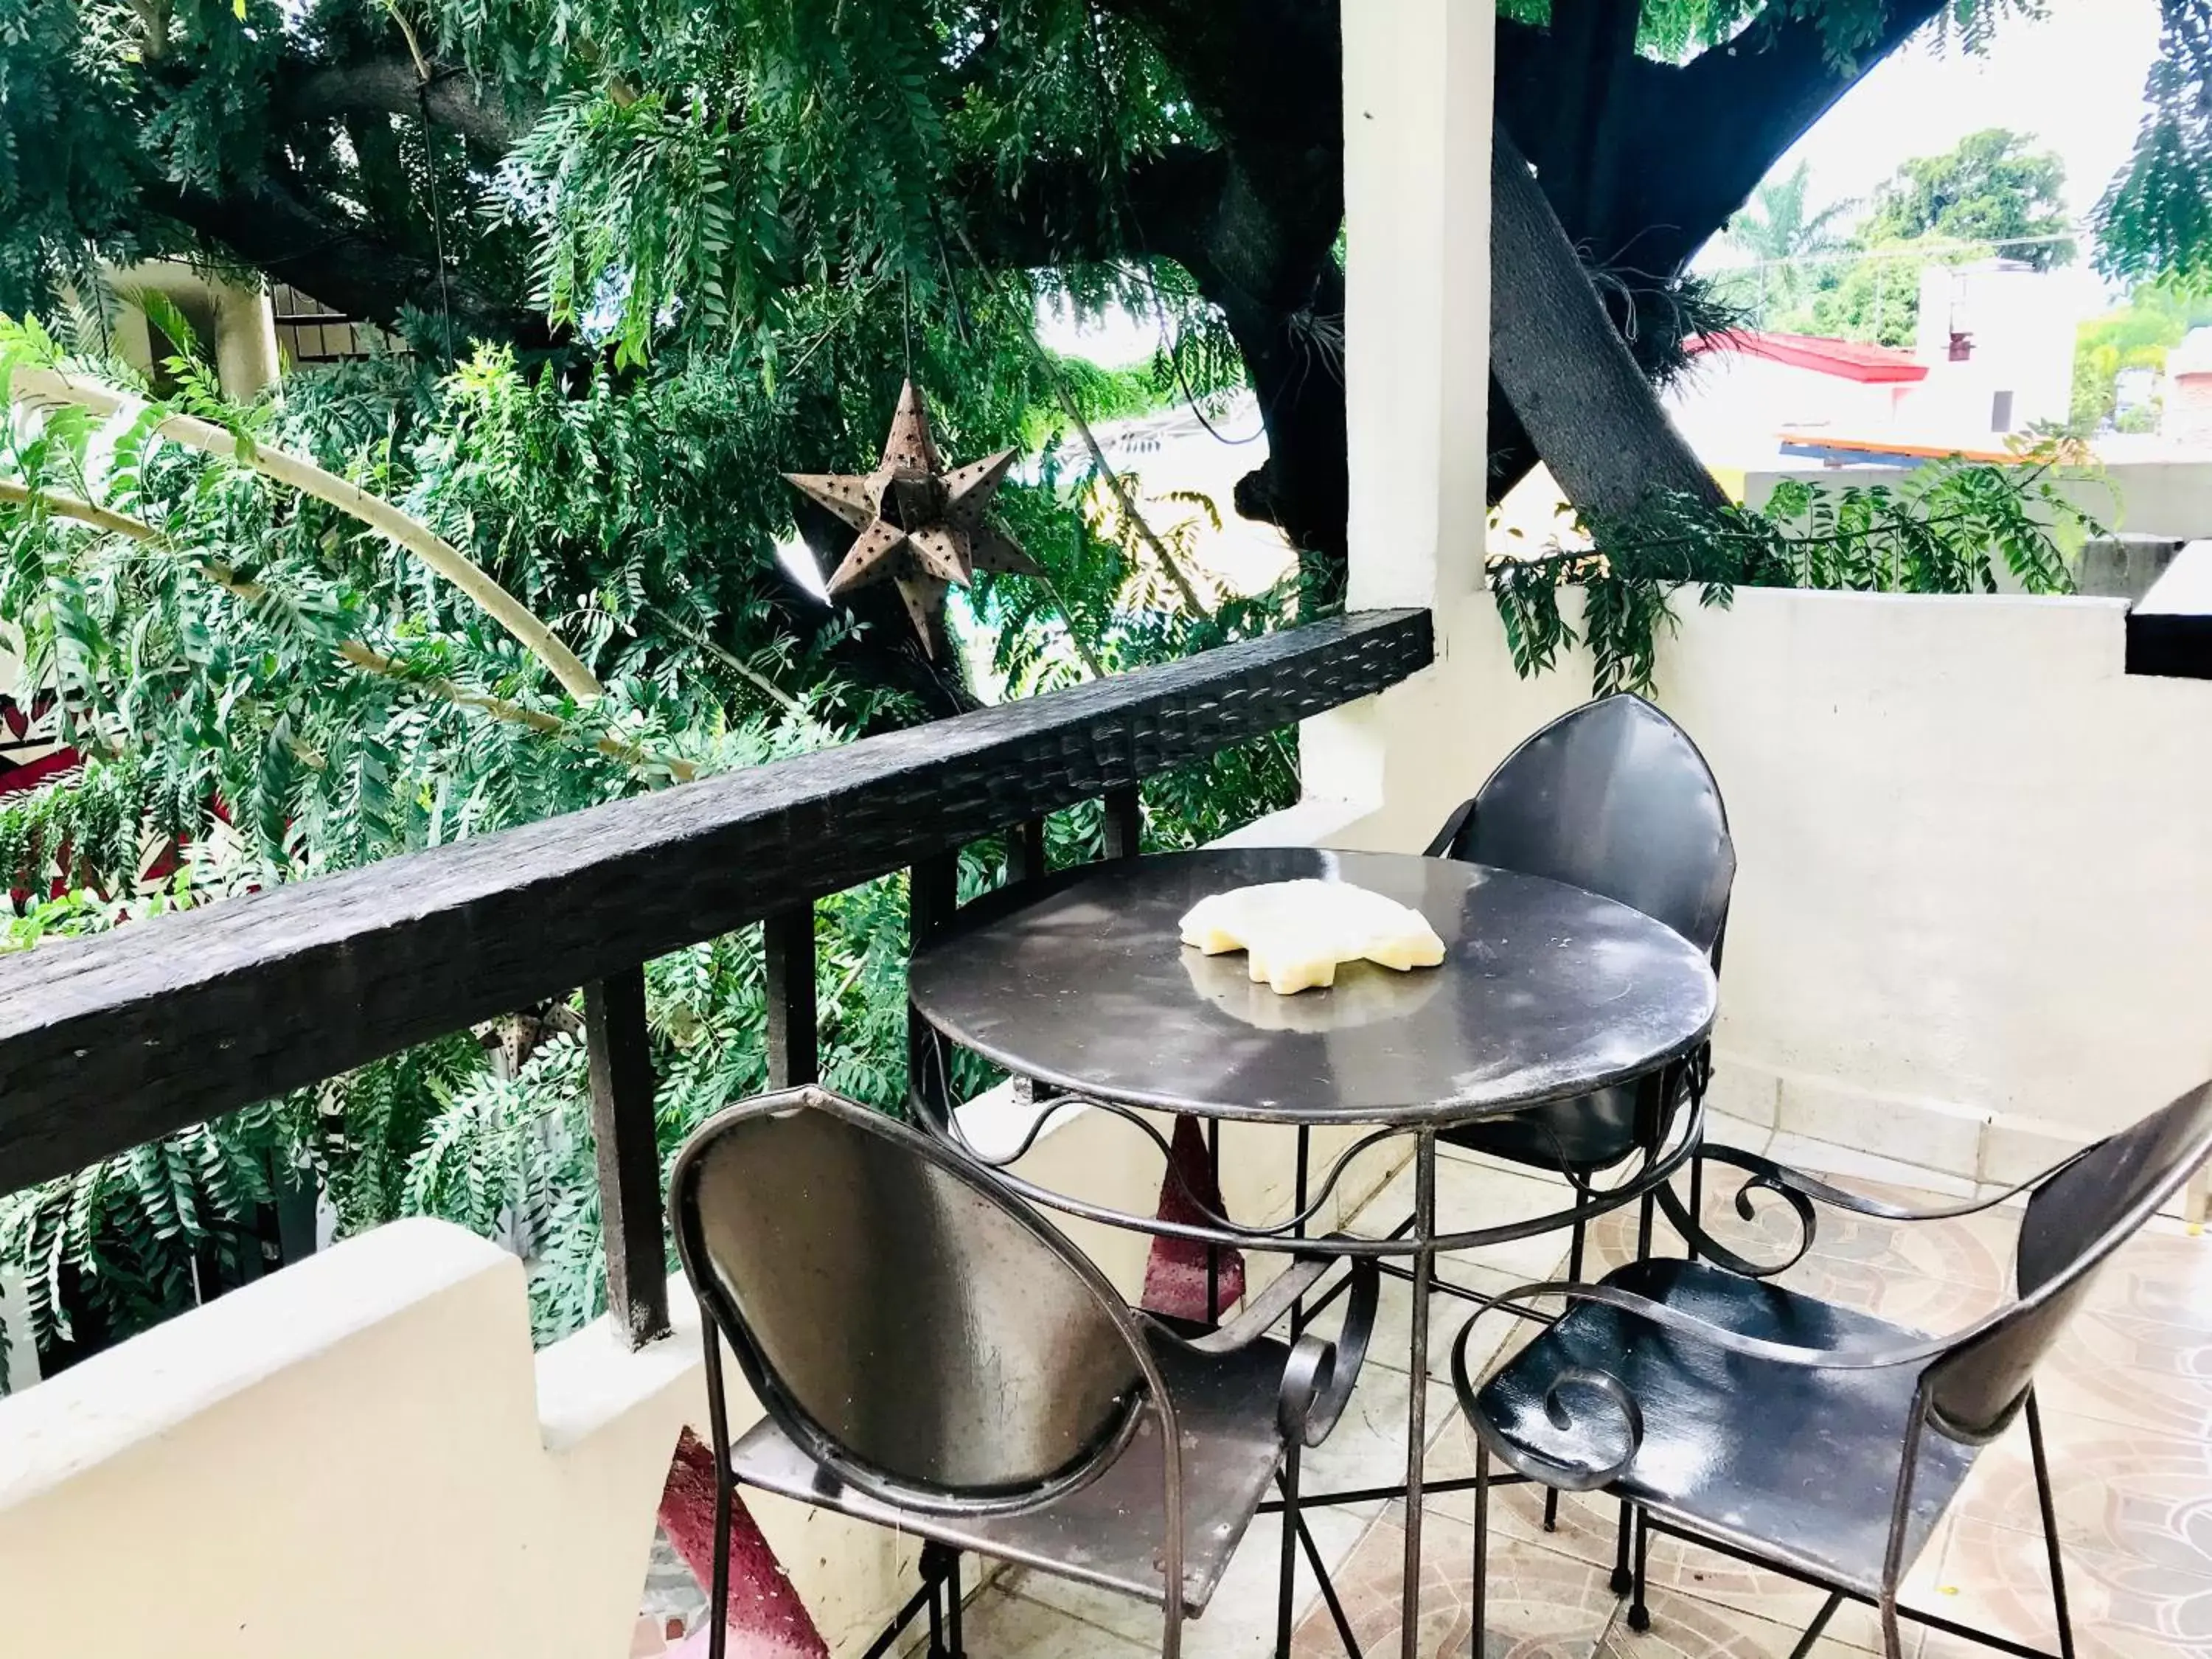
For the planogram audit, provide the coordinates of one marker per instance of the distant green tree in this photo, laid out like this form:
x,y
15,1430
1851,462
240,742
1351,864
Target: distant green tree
x,y
2136,336
1779,229
1989,188
1988,191
1875,298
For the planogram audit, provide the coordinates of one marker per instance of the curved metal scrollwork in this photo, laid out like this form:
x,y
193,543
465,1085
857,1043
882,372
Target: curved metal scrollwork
x,y
1556,1473
1317,1383
1764,1176
1650,1169
1801,1191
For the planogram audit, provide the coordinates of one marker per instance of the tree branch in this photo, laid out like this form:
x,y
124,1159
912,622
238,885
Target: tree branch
x,y
49,388
353,651
1569,374
274,228
1734,109
390,85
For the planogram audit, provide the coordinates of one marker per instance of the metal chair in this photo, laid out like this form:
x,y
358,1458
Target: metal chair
x,y
933,1356
1613,797
1793,1434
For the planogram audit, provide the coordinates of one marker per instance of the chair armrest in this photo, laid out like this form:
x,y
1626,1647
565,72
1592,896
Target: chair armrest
x,y
1318,1380
1262,1313
1588,1477
1801,1191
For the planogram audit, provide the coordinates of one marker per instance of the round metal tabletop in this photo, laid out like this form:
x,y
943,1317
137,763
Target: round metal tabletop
x,y
1546,992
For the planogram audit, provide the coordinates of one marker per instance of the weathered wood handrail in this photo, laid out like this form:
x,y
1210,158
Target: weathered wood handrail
x,y
107,1042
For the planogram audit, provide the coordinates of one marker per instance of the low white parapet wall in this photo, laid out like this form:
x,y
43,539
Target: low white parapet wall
x,y
1973,920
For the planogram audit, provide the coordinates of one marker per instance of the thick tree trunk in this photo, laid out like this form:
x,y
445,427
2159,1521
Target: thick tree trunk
x,y
1571,378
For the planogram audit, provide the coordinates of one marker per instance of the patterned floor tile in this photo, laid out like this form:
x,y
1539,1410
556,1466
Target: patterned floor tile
x,y
2124,1606
1003,1625
2126,1493
1472,1195
1542,1605
1367,1448
1391,1348
1683,1627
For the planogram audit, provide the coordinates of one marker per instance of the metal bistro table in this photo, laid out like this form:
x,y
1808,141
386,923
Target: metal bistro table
x,y
1079,981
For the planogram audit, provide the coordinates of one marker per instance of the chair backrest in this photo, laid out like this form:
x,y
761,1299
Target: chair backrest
x,y
906,1324
1612,797
2074,1221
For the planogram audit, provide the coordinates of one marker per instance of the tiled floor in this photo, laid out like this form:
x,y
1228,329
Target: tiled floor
x,y
2127,1406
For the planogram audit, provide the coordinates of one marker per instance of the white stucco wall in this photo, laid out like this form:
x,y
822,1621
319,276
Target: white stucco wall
x,y
1972,919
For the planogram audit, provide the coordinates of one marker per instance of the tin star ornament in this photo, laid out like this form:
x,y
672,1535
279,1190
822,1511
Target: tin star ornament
x,y
921,526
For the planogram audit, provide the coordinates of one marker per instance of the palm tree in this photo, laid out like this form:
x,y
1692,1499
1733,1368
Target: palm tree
x,y
1777,231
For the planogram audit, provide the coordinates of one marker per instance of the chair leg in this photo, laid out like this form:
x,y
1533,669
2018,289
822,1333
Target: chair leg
x,y
2050,1527
1479,1592
1329,1596
956,1645
1286,1576
718,1425
1575,1248
1639,1615
1892,1642
1697,1201
931,1575
1819,1623
1621,1580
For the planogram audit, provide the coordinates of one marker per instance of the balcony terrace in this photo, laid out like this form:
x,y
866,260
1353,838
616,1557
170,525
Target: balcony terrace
x,y
1972,934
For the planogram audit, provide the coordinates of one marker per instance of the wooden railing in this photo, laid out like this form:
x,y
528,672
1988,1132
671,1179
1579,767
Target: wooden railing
x,y
110,1041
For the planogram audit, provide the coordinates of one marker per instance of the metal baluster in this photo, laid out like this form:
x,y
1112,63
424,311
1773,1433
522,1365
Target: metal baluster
x,y
794,1022
628,1154
1025,854
932,893
1125,823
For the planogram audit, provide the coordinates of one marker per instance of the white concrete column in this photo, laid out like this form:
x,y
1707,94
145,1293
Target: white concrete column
x,y
1417,107
1417,101
246,356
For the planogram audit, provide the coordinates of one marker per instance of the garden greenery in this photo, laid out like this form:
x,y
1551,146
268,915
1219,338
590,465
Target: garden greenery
x,y
262,690
1945,527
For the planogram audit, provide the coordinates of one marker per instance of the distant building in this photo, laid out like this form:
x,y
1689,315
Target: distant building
x,y
1998,339
2189,390
1993,359
250,333
1745,390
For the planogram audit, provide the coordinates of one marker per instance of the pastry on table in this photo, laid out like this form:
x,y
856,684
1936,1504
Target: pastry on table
x,y
1294,934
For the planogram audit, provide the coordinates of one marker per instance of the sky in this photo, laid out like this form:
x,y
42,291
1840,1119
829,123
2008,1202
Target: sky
x,y
2072,81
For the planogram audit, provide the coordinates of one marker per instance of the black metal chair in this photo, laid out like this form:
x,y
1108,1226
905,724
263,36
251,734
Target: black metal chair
x,y
1788,1432
1613,797
934,1357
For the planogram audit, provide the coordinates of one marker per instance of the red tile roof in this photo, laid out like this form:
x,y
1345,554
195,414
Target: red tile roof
x,y
1848,360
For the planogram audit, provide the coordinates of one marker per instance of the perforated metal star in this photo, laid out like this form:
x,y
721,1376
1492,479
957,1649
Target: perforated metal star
x,y
921,526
